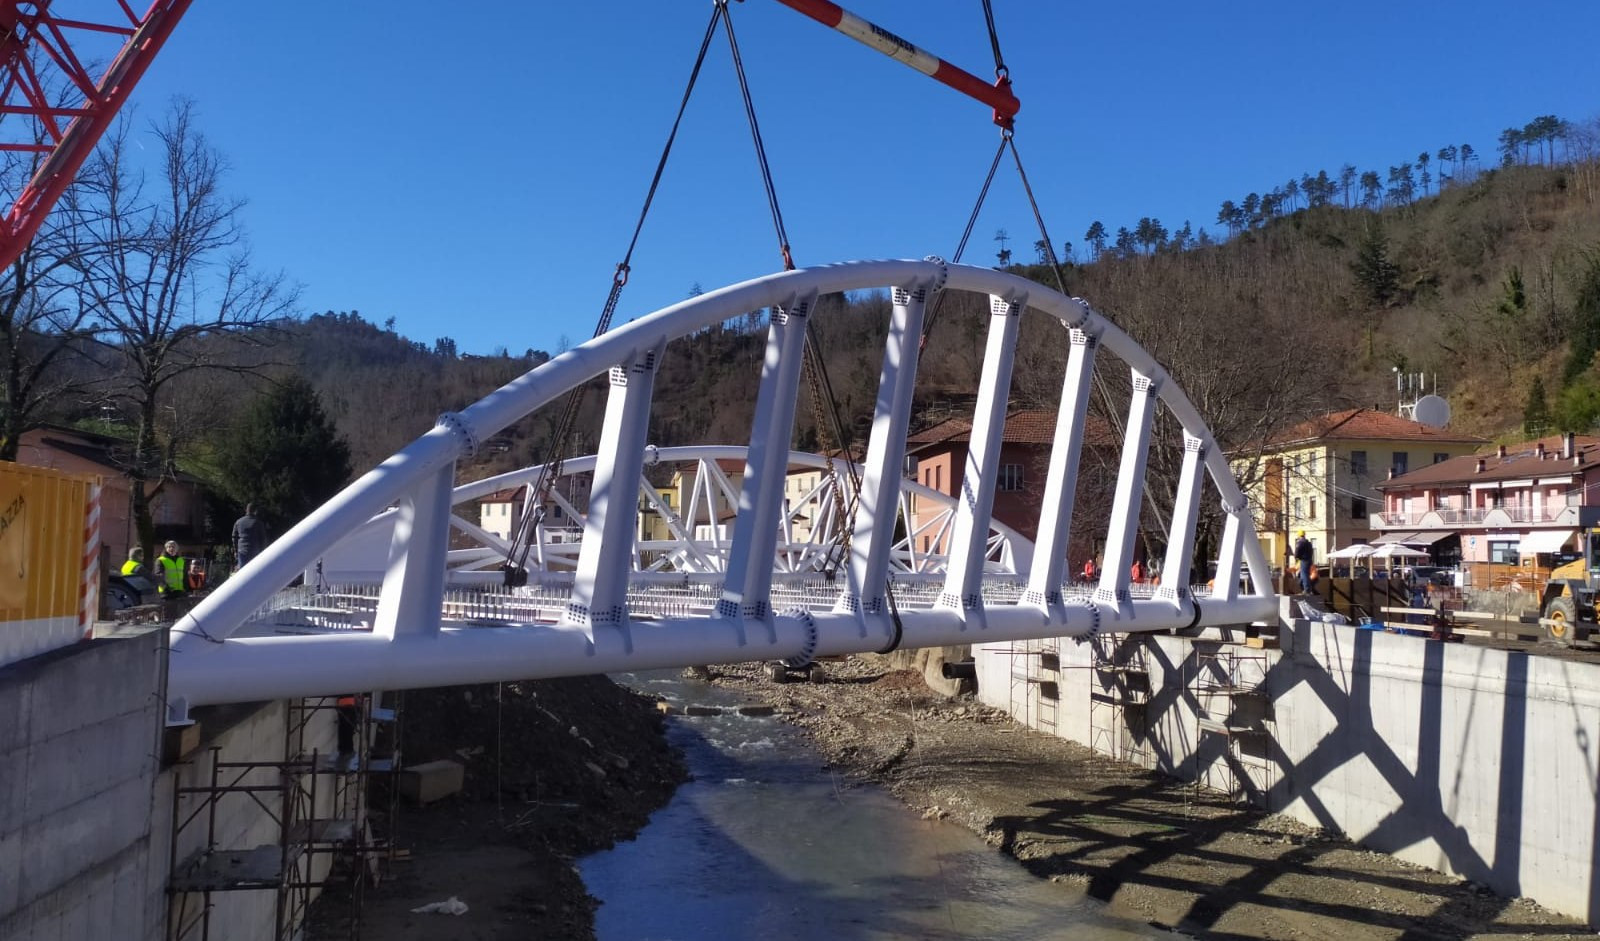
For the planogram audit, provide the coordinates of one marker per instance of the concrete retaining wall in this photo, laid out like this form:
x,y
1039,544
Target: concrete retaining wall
x,y
86,810
1472,761
79,744
241,823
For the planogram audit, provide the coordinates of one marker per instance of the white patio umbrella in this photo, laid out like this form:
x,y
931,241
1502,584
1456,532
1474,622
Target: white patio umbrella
x,y
1395,550
1352,552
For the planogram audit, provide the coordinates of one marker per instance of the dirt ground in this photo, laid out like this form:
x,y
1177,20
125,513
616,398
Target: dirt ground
x,y
555,770
1152,848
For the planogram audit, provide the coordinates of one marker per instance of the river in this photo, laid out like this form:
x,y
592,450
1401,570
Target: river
x,y
764,843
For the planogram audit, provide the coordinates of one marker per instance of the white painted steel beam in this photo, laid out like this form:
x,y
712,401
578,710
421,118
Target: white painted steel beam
x,y
605,559
1175,570
969,543
415,579
1060,488
1129,497
408,647
274,667
749,569
1226,585
878,506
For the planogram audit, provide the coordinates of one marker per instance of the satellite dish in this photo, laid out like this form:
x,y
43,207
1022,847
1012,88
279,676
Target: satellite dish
x,y
1432,410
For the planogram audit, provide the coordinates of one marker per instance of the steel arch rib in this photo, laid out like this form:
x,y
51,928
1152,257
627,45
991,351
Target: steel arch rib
x,y
208,665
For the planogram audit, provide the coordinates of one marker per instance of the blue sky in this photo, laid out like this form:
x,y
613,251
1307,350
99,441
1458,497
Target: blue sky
x,y
478,176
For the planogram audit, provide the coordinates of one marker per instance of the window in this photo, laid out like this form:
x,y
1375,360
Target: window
x,y
1503,553
1401,463
1358,508
1010,477
1311,463
1297,505
1440,457
1313,508
1358,463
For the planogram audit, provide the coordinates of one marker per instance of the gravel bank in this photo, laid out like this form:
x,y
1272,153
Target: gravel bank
x,y
1152,848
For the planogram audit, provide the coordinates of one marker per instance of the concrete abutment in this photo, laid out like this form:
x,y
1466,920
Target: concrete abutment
x,y
1469,760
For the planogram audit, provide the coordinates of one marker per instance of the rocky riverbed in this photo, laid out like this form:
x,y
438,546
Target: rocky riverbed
x,y
558,769
1152,848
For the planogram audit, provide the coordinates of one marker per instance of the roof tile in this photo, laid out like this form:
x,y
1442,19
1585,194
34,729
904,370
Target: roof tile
x,y
1522,461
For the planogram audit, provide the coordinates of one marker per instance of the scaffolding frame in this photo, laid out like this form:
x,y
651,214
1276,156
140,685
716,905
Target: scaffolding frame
x,y
1119,697
288,792
1232,703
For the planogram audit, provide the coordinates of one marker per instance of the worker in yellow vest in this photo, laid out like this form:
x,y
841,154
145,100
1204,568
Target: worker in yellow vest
x,y
135,563
174,582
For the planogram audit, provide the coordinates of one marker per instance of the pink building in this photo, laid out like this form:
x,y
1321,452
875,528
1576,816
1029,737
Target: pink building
x,y
1506,506
176,502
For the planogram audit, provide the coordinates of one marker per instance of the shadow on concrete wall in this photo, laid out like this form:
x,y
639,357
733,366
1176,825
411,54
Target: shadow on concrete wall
x,y
1122,834
1427,810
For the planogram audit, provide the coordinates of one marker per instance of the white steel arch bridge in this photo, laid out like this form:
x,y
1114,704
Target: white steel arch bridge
x,y
696,550
426,628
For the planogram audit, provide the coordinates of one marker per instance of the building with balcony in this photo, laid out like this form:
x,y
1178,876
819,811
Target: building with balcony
x,y
937,456
1506,507
1321,475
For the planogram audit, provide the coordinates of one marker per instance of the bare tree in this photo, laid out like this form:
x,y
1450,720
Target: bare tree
x,y
175,281
43,325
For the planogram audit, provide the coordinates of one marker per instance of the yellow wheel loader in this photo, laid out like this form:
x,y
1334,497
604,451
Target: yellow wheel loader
x,y
1567,604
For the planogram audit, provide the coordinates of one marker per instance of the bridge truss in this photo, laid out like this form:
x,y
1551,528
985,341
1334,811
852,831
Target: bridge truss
x,y
427,625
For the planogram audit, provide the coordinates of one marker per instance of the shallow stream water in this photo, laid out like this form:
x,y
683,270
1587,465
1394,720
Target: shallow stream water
x,y
765,843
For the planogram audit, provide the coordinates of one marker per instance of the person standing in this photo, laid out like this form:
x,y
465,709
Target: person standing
x,y
174,582
249,537
1089,571
135,563
1302,557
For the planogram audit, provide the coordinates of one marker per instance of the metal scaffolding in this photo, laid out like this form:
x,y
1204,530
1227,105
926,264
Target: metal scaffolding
x,y
317,803
1232,708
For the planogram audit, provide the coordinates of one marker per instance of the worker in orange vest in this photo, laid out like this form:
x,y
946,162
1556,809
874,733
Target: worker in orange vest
x,y
1089,571
1138,572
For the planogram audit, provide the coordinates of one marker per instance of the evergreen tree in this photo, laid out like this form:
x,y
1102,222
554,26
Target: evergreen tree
x,y
1126,246
1371,189
1585,322
1536,412
1376,274
1510,145
285,456
1347,180
1096,236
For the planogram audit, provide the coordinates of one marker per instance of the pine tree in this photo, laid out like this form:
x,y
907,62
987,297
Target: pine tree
x,y
1536,412
1375,272
1586,322
285,456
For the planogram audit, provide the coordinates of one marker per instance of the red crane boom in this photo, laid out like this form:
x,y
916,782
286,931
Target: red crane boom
x,y
997,96
64,108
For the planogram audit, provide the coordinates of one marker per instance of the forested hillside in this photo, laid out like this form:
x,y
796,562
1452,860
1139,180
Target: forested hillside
x,y
1320,290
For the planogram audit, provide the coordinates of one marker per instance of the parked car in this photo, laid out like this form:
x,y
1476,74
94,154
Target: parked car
x,y
128,591
1434,574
